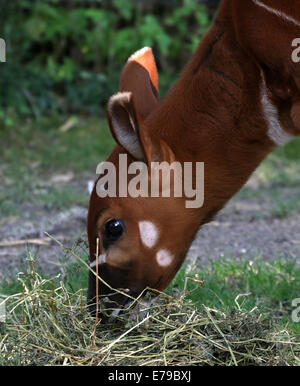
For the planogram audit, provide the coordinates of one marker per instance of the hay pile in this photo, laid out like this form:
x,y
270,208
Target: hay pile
x,y
47,325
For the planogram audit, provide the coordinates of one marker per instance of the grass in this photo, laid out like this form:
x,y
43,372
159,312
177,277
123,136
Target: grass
x,y
269,286
274,185
230,312
283,208
281,168
62,197
49,150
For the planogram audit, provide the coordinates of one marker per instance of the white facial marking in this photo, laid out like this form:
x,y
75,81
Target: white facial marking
x,y
275,131
101,260
277,13
148,233
164,258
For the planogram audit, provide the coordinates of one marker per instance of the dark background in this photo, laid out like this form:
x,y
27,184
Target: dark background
x,y
66,56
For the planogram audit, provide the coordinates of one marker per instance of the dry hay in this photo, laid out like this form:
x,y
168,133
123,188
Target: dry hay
x,y
48,325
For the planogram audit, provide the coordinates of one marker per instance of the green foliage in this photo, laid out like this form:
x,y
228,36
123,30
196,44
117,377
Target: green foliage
x,y
67,57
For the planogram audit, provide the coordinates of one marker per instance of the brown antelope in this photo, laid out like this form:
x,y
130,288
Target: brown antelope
x,y
235,101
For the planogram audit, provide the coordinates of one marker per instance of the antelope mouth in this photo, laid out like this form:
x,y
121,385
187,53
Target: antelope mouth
x,y
134,307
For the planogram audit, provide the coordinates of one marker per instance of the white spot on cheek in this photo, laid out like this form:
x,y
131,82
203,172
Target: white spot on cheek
x,y
164,258
148,233
101,260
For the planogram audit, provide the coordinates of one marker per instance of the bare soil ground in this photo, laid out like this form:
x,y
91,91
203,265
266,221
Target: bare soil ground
x,y
245,228
241,231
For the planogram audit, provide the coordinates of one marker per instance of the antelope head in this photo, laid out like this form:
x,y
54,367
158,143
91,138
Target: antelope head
x,y
143,239
235,101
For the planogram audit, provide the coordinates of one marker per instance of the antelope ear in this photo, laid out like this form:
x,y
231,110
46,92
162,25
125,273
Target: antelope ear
x,y
123,123
129,131
140,77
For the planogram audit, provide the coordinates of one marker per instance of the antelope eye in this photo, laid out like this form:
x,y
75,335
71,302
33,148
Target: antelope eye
x,y
114,229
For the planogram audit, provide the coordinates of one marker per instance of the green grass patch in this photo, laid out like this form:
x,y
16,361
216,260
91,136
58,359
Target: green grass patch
x,y
43,146
49,198
231,283
62,197
213,322
289,152
284,207
226,284
33,151
275,182
282,167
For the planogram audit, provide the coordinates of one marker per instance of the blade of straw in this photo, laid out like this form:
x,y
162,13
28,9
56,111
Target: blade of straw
x,y
97,290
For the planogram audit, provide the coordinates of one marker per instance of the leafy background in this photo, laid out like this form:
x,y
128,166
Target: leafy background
x,y
66,56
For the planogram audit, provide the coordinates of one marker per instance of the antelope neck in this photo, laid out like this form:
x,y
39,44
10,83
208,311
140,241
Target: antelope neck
x,y
214,114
